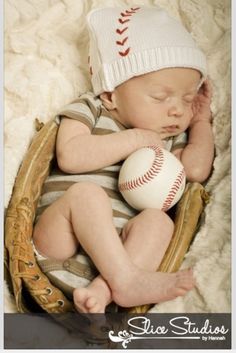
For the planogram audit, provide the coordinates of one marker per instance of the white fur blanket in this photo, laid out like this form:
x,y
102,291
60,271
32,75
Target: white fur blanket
x,y
46,50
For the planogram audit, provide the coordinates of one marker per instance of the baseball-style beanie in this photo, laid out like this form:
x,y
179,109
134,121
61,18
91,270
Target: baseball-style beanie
x,y
130,42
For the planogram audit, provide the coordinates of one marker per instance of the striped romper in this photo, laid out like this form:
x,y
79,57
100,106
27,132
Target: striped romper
x,y
89,110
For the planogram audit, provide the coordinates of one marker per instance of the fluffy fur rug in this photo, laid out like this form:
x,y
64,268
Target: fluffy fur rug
x,y
46,49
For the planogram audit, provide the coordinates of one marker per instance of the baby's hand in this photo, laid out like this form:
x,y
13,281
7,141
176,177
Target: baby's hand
x,y
147,138
201,104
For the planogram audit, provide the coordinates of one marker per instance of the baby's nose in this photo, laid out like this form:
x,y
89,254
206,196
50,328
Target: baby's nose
x,y
176,108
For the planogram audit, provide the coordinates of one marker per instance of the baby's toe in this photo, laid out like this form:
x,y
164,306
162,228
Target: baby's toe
x,y
91,302
80,296
97,309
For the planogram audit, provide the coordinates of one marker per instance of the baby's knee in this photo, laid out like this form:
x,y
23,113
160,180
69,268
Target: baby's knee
x,y
159,221
155,215
85,191
150,222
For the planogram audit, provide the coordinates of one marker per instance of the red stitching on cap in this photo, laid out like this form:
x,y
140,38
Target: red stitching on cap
x,y
125,52
122,42
126,14
120,31
123,21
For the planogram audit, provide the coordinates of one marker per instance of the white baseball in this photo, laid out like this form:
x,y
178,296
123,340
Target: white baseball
x,y
152,177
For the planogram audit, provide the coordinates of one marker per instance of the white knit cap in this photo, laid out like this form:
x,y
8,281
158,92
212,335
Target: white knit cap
x,y
130,42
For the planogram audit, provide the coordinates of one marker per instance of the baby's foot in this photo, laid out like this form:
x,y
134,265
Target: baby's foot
x,y
86,302
180,283
94,298
152,287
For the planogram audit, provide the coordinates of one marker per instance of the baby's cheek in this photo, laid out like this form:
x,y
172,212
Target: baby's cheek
x,y
188,118
191,113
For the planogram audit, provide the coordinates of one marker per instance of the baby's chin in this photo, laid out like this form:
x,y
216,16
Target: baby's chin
x,y
166,135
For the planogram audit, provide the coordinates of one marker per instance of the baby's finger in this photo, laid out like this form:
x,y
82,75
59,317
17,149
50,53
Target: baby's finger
x,y
207,88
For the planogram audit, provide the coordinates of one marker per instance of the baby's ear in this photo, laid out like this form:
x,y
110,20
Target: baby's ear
x,y
108,100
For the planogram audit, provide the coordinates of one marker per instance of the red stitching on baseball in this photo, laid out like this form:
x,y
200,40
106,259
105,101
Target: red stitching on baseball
x,y
175,187
147,176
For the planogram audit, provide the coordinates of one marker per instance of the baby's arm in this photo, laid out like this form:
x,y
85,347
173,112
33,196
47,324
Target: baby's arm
x,y
79,151
197,157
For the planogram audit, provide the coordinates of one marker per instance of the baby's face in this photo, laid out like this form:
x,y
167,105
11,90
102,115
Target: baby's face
x,y
159,101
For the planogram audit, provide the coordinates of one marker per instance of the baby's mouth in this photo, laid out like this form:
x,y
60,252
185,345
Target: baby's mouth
x,y
171,128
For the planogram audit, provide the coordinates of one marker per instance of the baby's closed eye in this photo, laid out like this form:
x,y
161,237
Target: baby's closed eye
x,y
159,97
189,98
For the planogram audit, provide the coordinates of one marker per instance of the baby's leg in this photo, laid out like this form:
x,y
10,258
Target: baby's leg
x,y
53,234
84,215
146,238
